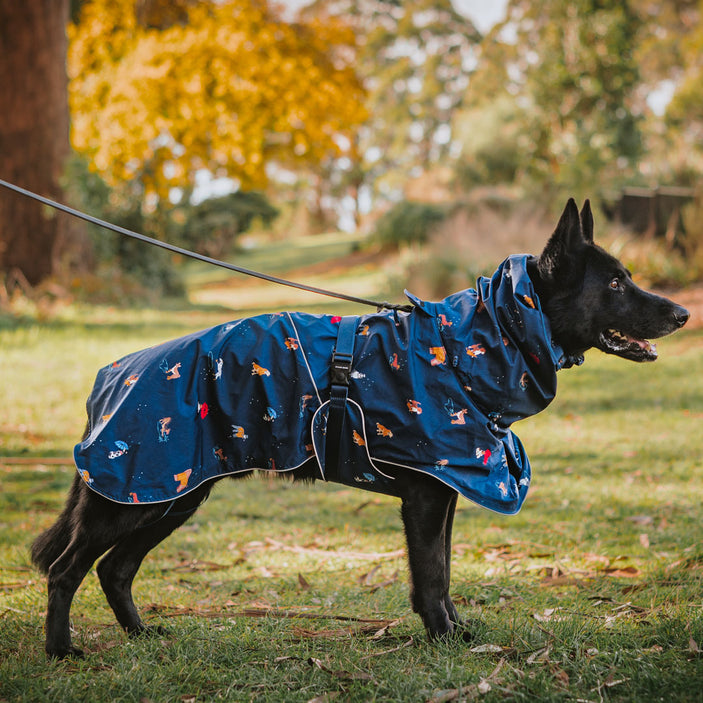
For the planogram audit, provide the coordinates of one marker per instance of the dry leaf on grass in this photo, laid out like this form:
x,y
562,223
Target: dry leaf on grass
x,y
367,578
381,632
367,624
487,649
195,565
548,615
408,643
298,549
444,696
371,628
623,572
467,693
610,682
325,697
541,656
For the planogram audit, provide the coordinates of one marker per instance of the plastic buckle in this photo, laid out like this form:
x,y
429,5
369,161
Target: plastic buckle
x,y
341,368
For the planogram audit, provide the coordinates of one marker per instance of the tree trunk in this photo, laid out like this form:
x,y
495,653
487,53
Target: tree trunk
x,y
34,124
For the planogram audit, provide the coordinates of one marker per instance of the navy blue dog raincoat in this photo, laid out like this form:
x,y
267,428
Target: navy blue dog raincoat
x,y
433,390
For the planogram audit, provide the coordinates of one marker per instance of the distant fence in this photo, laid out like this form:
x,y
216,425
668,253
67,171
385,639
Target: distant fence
x,y
655,211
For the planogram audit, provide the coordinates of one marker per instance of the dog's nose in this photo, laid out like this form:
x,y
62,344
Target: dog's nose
x,y
681,315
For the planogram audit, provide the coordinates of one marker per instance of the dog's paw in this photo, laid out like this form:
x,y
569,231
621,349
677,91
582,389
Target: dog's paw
x,y
69,652
469,630
147,631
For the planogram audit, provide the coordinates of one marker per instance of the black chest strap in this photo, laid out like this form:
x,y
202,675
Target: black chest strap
x,y
340,373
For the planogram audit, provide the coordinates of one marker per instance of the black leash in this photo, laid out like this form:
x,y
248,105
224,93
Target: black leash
x,y
200,257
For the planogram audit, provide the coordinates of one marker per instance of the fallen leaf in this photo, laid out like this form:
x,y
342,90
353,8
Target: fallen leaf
x,y
644,540
663,524
303,583
382,631
610,681
384,584
487,649
600,600
483,686
298,549
344,633
693,646
325,697
361,506
562,677
627,608
540,656
548,615
624,572
198,565
450,694
365,579
409,643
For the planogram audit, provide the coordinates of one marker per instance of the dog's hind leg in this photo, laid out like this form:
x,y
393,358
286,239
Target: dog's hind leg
x,y
463,626
449,523
428,511
120,565
64,577
94,525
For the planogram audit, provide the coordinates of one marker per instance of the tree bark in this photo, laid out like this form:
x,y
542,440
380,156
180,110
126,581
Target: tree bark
x,y
34,131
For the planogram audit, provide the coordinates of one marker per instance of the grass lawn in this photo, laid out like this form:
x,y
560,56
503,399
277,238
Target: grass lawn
x,y
279,592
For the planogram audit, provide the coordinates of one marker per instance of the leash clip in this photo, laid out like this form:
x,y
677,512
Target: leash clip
x,y
340,372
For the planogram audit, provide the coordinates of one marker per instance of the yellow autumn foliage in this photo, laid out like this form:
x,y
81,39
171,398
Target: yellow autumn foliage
x,y
222,85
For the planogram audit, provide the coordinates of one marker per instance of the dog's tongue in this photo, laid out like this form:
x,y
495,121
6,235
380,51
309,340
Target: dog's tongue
x,y
644,344
622,341
641,343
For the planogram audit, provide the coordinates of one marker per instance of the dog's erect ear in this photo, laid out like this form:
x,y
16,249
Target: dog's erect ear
x,y
587,221
563,246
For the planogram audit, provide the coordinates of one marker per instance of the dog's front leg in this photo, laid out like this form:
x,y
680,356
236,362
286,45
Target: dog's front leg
x,y
428,511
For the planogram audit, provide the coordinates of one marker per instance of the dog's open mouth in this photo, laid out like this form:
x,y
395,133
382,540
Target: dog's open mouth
x,y
621,344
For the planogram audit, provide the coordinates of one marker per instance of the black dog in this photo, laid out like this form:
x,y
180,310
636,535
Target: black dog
x,y
588,299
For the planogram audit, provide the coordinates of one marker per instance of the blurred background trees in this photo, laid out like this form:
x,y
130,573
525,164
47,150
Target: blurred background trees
x,y
564,77
34,141
341,111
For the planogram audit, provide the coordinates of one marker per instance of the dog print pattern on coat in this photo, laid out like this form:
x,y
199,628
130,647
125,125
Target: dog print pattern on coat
x,y
433,390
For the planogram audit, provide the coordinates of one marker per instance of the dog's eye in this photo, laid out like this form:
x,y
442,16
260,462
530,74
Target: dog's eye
x,y
615,284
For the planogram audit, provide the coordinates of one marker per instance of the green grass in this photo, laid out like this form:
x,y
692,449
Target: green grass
x,y
593,592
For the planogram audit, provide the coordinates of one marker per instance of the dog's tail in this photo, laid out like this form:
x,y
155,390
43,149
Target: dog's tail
x,y
51,543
